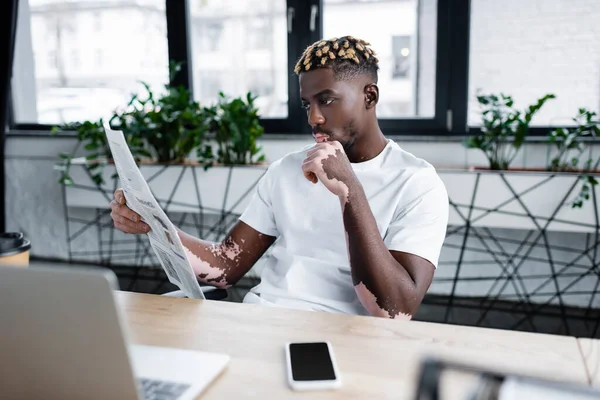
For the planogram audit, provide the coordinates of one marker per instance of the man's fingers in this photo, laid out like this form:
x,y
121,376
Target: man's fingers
x,y
316,148
123,220
117,224
124,211
128,229
309,174
119,196
114,205
132,215
311,157
121,227
324,152
308,161
128,226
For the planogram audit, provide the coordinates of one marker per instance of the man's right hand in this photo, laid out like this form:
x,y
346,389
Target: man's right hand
x,y
124,218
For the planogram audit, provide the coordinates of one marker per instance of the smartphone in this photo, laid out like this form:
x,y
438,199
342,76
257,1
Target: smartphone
x,y
311,366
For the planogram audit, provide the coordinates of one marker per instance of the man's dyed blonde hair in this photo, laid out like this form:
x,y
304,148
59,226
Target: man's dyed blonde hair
x,y
346,56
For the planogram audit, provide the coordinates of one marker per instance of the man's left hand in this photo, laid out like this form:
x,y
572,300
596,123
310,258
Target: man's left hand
x,y
327,162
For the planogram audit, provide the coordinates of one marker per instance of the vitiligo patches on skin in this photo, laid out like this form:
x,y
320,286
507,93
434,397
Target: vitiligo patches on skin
x,y
319,165
313,168
205,271
226,254
229,250
369,301
345,197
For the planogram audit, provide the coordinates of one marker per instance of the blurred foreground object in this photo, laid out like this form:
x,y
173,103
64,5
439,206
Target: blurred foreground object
x,y
14,249
445,380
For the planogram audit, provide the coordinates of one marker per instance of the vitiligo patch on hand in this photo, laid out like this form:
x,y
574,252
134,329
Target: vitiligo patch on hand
x,y
317,171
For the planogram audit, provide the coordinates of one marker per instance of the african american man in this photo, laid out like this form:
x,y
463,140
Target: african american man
x,y
356,223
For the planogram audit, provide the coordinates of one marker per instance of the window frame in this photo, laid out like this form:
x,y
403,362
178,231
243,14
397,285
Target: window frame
x,y
450,91
451,81
8,32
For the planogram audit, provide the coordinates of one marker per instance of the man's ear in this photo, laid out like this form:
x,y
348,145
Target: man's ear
x,y
371,95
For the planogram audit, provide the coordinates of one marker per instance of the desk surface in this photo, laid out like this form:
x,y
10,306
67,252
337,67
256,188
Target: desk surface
x,y
377,358
590,349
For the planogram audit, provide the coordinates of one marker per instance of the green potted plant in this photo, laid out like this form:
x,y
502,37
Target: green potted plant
x,y
569,147
172,125
163,128
504,128
235,128
531,199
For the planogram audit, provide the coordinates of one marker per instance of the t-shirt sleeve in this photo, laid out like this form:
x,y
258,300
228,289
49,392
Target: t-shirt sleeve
x,y
259,212
419,226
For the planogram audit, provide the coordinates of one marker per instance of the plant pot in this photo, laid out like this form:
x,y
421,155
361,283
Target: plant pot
x,y
522,169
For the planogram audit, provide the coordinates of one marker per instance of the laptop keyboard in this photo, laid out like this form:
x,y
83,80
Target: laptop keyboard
x,y
161,390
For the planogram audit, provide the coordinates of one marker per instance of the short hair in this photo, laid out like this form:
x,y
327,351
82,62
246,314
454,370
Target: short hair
x,y
347,56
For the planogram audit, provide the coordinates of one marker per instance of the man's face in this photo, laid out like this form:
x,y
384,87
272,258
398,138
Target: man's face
x,y
335,109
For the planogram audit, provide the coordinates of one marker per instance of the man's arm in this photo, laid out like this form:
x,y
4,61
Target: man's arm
x,y
218,264
389,284
223,264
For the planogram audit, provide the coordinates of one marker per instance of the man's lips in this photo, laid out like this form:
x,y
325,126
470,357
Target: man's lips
x,y
320,137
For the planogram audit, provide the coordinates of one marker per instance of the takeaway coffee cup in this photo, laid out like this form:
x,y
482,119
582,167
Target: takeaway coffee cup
x,y
14,249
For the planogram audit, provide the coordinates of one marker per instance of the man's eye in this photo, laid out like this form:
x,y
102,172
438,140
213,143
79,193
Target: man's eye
x,y
326,102
306,106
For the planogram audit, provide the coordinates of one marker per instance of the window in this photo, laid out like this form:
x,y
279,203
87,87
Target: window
x,y
99,58
75,60
401,53
237,38
527,49
209,83
259,83
406,78
69,68
61,78
259,34
97,21
52,59
208,34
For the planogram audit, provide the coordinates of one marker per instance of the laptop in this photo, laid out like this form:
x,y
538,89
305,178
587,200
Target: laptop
x,y
61,337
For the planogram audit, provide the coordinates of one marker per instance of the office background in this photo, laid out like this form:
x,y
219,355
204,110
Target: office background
x,y
79,60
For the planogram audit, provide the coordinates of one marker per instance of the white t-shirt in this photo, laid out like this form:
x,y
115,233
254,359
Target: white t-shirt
x,y
308,267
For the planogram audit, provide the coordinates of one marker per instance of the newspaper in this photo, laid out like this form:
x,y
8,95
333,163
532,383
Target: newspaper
x,y
163,235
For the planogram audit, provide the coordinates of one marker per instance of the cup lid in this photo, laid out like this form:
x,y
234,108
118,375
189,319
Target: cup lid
x,y
12,243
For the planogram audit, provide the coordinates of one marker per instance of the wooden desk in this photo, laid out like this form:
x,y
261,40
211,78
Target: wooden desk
x,y
377,358
590,350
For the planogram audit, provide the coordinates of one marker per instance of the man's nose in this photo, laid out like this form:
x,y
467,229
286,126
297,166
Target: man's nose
x,y
315,117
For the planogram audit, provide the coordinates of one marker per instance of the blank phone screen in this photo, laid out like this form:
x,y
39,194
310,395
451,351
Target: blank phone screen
x,y
311,362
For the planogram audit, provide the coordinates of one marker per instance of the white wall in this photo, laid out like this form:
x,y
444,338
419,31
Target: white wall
x,y
24,76
533,47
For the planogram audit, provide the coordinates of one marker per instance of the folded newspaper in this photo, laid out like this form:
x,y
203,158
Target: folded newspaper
x,y
163,235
